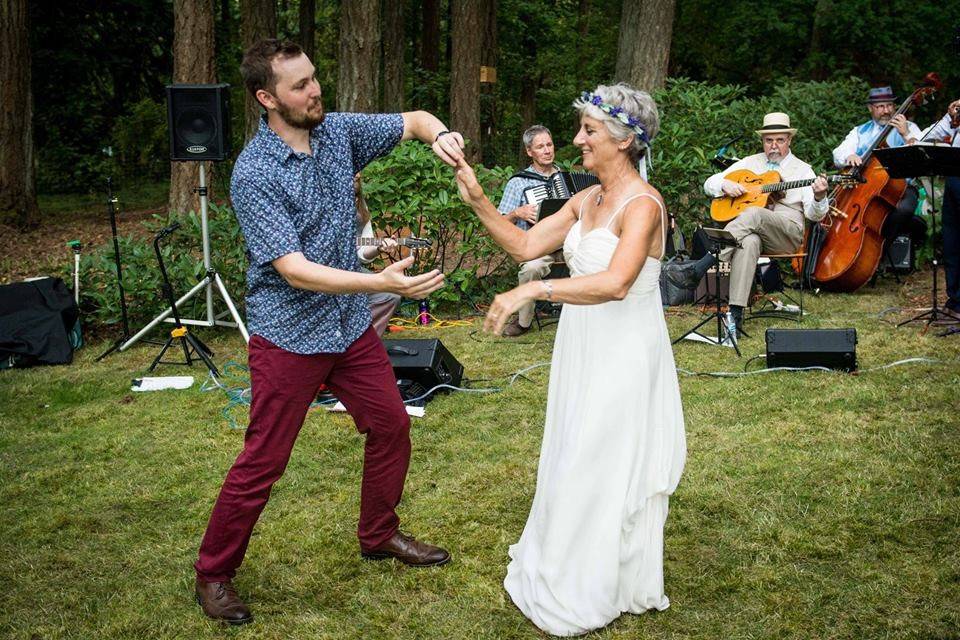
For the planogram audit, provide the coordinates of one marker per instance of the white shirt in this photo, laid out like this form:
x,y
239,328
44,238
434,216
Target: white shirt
x,y
942,129
367,254
790,168
862,136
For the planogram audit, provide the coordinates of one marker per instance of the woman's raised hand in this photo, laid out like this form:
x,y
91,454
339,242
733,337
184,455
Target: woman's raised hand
x,y
504,305
470,189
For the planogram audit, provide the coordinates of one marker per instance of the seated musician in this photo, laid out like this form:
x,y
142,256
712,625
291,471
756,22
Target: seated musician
x,y
849,153
777,229
383,304
947,130
538,144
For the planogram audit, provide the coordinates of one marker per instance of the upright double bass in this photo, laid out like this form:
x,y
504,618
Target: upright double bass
x,y
850,239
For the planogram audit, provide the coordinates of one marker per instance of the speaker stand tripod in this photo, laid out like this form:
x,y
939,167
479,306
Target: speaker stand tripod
x,y
207,283
718,239
192,346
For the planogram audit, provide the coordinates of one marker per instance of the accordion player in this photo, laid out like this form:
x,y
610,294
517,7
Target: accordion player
x,y
561,186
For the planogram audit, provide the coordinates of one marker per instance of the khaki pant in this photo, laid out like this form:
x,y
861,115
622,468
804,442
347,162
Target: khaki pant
x,y
759,230
533,270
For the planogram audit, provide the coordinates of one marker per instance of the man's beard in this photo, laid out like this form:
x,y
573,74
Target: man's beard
x,y
300,120
883,120
774,156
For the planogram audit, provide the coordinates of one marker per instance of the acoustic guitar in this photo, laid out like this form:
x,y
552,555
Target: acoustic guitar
x,y
760,189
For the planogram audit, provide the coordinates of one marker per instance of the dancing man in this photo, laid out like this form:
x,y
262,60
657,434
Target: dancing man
x,y
292,190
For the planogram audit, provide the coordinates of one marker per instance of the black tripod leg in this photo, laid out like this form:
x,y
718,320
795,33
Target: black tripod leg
x,y
207,350
202,353
694,330
186,343
114,347
156,361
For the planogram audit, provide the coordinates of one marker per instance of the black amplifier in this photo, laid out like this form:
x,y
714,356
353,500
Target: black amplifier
x,y
831,348
426,362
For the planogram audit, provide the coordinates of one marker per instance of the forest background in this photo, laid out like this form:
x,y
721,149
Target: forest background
x,y
91,97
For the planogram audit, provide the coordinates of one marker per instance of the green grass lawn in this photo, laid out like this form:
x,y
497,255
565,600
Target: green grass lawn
x,y
813,505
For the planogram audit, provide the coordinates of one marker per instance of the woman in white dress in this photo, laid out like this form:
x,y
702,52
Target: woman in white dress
x,y
613,444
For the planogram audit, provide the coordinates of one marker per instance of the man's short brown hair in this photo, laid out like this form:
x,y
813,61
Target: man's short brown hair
x,y
257,66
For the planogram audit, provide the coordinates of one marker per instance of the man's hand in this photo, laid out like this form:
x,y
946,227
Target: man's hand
x,y
449,148
505,304
386,244
467,184
899,123
853,160
732,189
525,212
417,287
820,187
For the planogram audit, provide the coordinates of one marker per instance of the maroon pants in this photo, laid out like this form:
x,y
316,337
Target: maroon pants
x,y
283,384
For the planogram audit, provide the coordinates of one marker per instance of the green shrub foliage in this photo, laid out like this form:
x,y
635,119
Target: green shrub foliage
x,y
411,192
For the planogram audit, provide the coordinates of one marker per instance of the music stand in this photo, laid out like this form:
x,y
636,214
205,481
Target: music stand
x,y
924,160
718,239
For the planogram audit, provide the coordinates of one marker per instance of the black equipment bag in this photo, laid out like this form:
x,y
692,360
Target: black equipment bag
x,y
769,278
674,276
36,319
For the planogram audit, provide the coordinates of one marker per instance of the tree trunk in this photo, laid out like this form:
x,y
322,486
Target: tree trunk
x,y
822,14
430,36
393,55
643,52
488,58
468,20
583,30
308,26
258,20
358,82
193,63
18,196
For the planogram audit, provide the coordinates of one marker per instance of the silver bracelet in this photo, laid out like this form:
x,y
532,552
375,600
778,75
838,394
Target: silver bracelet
x,y
549,286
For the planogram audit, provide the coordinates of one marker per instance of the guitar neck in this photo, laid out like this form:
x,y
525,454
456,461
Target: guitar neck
x,y
796,184
375,242
785,186
363,241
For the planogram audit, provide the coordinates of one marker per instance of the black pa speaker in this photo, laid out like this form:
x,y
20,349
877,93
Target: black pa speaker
x,y
426,362
831,348
901,255
198,117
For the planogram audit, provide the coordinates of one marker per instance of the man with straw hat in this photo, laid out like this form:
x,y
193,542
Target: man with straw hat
x,y
776,229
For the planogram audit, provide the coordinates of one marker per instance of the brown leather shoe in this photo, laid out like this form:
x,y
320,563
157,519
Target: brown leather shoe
x,y
409,551
219,600
515,329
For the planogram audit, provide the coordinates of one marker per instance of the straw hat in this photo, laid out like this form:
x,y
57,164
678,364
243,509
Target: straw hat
x,y
776,122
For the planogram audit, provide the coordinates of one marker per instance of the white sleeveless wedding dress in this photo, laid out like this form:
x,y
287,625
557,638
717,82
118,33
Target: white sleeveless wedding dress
x,y
613,451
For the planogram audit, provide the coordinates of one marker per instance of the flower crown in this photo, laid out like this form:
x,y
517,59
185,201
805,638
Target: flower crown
x,y
588,97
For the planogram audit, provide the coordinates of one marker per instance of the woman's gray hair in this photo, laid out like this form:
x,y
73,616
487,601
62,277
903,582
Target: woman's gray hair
x,y
633,102
532,133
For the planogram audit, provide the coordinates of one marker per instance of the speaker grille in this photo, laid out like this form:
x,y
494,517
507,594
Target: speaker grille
x,y
196,127
198,116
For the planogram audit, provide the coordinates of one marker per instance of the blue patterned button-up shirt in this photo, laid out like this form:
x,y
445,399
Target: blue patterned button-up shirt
x,y
286,202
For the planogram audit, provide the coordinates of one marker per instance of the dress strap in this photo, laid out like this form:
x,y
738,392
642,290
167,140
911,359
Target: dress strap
x,y
585,198
663,222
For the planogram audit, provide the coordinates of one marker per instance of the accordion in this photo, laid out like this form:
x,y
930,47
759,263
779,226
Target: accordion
x,y
561,186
